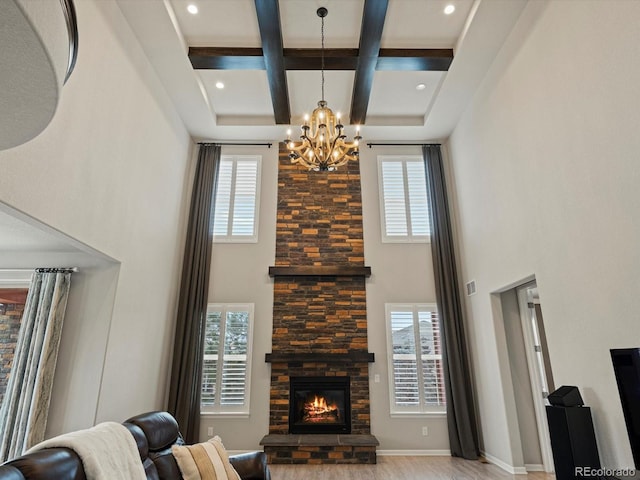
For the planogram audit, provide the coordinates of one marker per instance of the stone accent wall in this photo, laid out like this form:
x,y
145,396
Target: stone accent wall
x,y
10,319
319,223
319,315
319,216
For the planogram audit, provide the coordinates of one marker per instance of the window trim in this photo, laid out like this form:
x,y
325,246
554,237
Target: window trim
x,y
409,238
242,411
421,410
230,238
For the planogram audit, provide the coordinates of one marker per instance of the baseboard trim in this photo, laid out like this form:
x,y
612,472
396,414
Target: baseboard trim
x,y
413,453
534,467
504,465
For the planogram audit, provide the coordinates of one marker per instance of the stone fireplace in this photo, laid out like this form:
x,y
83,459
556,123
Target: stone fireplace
x,y
319,317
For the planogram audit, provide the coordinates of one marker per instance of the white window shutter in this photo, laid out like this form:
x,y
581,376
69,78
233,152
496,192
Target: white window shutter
x,y
405,366
418,204
404,202
236,202
226,374
244,205
431,352
223,198
416,360
234,371
394,198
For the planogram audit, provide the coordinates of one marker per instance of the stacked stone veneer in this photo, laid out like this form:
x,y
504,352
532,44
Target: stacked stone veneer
x,y
10,319
319,223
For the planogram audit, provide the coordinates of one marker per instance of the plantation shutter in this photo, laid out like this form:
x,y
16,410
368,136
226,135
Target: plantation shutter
x,y
431,353
417,194
416,361
405,367
234,366
404,199
394,199
211,352
225,380
236,202
222,208
244,211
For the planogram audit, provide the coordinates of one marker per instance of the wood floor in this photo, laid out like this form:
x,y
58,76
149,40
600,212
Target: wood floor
x,y
402,468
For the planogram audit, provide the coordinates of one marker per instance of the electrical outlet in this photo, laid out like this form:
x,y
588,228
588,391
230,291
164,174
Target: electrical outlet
x,y
425,431
376,378
210,431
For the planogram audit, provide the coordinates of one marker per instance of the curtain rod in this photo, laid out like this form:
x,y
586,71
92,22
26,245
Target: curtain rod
x,y
239,144
42,269
403,144
57,270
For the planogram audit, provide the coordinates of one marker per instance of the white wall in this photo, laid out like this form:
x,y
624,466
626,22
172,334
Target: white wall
x,y
240,274
112,171
545,164
400,273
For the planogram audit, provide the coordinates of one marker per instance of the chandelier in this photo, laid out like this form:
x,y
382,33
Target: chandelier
x,y
323,145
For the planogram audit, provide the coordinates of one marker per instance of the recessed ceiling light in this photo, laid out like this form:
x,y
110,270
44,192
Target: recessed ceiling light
x,y
421,86
449,9
219,85
192,9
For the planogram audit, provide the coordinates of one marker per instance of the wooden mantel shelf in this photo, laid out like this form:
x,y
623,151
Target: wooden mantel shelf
x,y
354,357
320,271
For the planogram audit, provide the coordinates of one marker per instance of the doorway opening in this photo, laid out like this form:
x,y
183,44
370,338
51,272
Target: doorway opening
x,y
530,370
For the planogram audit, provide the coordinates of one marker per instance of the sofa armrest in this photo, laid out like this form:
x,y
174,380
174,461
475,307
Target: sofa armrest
x,y
251,466
7,472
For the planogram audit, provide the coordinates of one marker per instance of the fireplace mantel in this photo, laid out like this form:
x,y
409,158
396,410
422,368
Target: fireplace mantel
x,y
354,357
319,271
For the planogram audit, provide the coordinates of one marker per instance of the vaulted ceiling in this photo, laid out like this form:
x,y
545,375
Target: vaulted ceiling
x,y
267,55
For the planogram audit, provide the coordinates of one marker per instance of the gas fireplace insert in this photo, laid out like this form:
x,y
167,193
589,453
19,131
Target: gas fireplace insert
x,y
319,405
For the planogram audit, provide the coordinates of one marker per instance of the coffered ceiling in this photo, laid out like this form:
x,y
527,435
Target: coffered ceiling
x,y
267,55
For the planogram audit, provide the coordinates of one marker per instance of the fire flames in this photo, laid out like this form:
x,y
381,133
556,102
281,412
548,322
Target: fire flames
x,y
319,410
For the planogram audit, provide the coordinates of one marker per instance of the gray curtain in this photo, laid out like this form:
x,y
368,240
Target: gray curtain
x,y
461,421
23,417
188,350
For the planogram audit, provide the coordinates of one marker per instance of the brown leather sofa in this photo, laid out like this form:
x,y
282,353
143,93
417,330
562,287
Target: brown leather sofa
x,y
154,433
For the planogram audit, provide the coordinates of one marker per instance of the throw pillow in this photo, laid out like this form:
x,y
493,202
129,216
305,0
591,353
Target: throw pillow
x,y
204,461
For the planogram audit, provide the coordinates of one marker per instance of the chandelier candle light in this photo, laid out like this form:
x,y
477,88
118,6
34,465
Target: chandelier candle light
x,y
323,145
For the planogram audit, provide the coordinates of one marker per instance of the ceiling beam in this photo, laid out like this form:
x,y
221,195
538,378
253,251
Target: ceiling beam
x,y
226,58
268,12
396,59
416,59
311,58
373,17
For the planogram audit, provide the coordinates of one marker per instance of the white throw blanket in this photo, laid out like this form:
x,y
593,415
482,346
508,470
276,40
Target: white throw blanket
x,y
108,451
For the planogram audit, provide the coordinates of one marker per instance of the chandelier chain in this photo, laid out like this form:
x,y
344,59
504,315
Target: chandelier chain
x,y
324,145
322,60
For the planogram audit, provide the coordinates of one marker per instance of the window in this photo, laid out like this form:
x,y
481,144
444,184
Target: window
x,y
404,207
415,366
227,359
236,204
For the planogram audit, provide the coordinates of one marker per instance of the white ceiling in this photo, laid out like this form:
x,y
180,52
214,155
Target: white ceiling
x,y
243,109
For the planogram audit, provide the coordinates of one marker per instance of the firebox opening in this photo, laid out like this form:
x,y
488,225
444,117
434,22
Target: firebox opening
x,y
319,405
